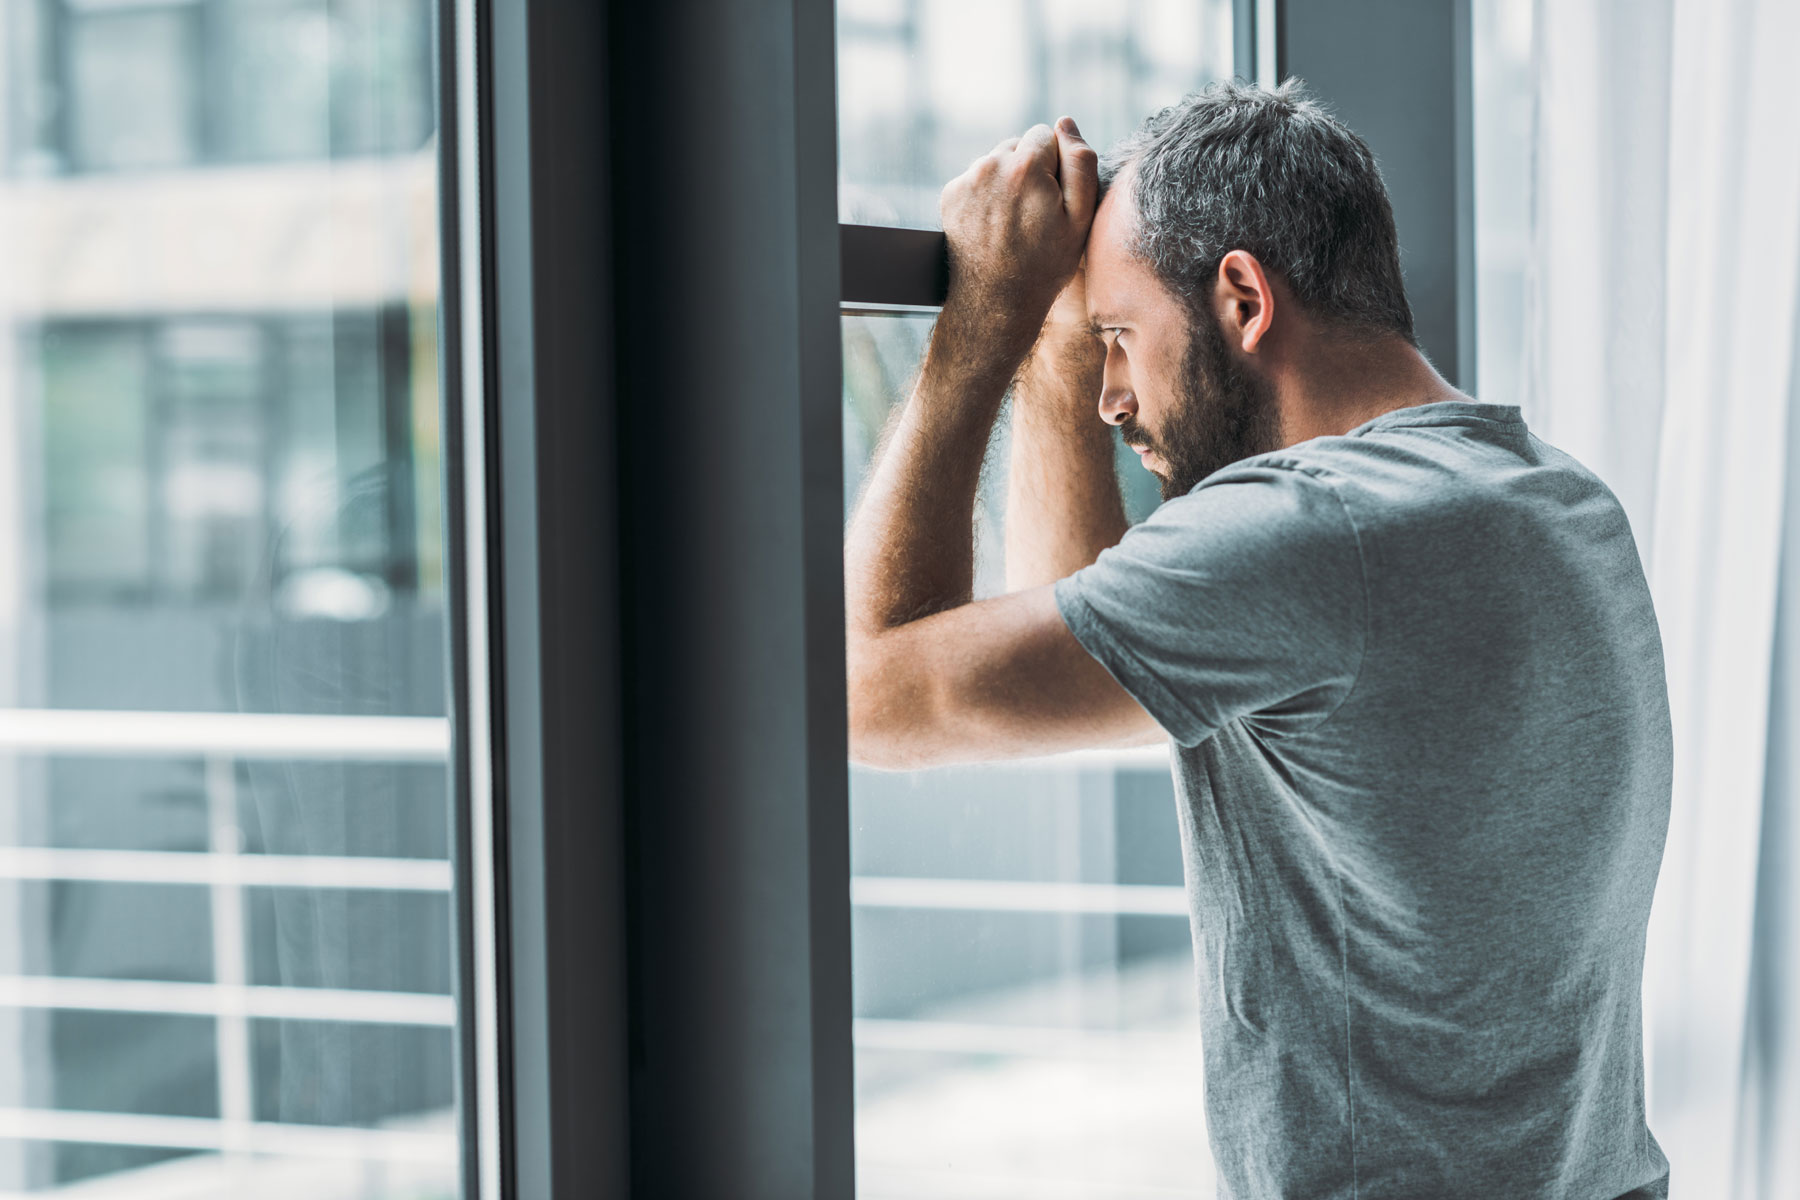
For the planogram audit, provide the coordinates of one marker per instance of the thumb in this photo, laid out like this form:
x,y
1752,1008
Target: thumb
x,y
1078,169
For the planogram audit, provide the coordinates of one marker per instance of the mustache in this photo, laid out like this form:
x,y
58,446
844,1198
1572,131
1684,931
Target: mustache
x,y
1136,435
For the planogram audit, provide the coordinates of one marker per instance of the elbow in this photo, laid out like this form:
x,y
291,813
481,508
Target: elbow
x,y
871,746
884,725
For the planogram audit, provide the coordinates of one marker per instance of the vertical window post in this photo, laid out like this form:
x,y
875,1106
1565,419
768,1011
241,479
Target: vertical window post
x,y
661,563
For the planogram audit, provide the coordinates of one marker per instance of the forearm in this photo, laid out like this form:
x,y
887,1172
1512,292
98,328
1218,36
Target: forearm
x,y
909,551
1062,496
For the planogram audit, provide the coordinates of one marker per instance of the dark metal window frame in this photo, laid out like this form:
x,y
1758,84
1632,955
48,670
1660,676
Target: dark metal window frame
x,y
644,501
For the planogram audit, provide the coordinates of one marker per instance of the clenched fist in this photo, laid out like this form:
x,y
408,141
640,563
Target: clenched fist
x,y
1017,221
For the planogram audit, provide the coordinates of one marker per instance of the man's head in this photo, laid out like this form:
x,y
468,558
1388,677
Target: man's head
x,y
1231,222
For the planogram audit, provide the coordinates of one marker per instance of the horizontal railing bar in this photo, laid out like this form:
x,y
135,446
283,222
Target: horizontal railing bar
x,y
1009,895
403,1008
286,736
952,1037
212,999
209,1133
1121,758
1110,759
246,870
434,875
310,736
409,1008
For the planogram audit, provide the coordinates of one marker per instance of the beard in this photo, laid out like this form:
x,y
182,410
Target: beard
x,y
1223,413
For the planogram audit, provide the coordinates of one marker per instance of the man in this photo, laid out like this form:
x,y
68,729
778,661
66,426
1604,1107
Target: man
x,y
1404,649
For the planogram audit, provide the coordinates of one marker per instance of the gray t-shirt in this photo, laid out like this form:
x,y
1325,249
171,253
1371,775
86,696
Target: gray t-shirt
x,y
1423,763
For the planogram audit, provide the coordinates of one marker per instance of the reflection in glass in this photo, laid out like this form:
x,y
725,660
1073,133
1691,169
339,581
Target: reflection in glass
x,y
1026,1021
224,804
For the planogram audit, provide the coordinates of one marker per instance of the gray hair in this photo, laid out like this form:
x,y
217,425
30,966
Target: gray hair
x,y
1271,172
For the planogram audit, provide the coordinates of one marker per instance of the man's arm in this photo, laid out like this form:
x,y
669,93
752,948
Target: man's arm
x,y
909,551
1062,493
999,678
932,677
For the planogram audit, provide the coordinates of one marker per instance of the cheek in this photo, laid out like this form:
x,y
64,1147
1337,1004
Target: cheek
x,y
1159,382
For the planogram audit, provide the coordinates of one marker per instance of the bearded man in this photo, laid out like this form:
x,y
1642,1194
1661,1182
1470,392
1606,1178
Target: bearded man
x,y
1404,650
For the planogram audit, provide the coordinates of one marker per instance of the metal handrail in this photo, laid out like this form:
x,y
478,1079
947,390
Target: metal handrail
x,y
264,736
301,736
351,873
213,999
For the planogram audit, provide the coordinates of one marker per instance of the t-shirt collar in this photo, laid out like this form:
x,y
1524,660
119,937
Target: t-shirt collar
x,y
1443,412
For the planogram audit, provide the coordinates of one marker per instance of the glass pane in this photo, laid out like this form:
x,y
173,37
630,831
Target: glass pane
x,y
1025,1011
1502,54
131,86
226,919
925,86
109,85
1026,1017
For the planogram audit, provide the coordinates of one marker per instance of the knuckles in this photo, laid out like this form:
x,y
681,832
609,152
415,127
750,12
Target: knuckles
x,y
1020,170
1009,201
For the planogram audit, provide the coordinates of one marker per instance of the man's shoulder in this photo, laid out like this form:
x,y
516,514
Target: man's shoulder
x,y
1330,483
1494,511
1402,475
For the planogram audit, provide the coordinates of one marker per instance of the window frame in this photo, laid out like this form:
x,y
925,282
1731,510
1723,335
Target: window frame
x,y
571,702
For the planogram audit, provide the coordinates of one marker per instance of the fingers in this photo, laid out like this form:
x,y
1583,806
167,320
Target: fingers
x,y
1000,153
1016,221
1038,144
1078,169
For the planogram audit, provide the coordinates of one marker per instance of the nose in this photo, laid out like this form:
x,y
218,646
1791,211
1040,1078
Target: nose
x,y
1117,401
1117,405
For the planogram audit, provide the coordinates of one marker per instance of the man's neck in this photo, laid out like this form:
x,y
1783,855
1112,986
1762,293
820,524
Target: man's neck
x,y
1343,384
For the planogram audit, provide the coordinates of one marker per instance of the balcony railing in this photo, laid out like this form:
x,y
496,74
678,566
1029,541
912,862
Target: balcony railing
x,y
220,741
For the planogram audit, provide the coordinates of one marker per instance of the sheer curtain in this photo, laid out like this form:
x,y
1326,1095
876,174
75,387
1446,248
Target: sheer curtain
x,y
1661,328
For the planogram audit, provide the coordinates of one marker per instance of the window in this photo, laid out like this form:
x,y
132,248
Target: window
x,y
226,903
1025,1017
292,901
178,83
924,86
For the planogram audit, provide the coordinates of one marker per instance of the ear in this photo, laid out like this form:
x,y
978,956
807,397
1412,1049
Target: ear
x,y
1244,300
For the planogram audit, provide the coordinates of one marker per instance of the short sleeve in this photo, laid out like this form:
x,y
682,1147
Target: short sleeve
x,y
1244,598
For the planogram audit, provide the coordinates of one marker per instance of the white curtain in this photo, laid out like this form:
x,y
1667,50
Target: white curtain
x,y
1662,332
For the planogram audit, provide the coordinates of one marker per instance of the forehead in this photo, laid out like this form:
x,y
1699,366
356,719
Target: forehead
x,y
1109,239
1119,283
